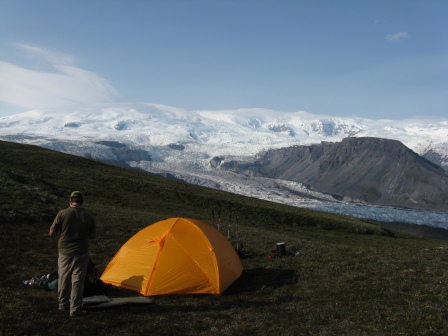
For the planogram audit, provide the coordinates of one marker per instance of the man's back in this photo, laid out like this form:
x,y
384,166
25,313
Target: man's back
x,y
75,225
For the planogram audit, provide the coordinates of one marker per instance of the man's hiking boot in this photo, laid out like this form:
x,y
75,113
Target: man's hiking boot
x,y
78,314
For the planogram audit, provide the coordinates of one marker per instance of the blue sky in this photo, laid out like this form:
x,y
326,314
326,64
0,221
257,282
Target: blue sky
x,y
374,59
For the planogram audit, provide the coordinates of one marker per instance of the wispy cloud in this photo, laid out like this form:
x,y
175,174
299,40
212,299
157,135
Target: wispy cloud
x,y
378,22
65,85
50,56
398,36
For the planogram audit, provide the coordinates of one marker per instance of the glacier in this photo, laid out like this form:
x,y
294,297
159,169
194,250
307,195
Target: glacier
x,y
182,143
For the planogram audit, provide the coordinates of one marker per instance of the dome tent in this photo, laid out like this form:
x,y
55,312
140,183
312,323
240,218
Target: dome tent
x,y
175,256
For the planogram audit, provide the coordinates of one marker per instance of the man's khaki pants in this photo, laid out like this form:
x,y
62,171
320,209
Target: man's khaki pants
x,y
72,271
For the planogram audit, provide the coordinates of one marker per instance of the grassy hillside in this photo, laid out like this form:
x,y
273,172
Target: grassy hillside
x,y
352,277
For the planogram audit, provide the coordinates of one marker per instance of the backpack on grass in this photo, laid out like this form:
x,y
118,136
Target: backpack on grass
x,y
50,281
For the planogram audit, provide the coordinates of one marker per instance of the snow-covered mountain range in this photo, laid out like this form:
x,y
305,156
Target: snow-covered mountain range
x,y
165,139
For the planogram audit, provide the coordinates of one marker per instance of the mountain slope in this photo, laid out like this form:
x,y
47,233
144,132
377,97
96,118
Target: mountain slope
x,y
376,171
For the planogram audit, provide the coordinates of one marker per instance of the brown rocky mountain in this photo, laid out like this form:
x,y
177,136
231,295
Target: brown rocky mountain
x,y
368,170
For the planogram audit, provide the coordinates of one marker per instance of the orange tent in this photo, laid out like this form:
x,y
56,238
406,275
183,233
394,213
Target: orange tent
x,y
175,256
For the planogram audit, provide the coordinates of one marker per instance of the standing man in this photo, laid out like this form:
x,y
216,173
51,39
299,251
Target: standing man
x,y
75,226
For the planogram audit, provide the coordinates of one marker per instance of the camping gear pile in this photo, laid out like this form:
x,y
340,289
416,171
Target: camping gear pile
x,y
48,281
92,284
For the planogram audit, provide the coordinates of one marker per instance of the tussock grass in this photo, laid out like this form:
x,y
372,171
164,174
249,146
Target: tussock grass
x,y
352,277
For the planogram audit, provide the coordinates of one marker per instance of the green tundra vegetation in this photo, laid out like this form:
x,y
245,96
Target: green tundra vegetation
x,y
341,275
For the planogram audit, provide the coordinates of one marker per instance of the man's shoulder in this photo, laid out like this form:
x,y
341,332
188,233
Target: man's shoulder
x,y
87,212
66,210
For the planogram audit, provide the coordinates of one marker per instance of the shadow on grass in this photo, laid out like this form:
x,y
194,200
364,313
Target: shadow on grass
x,y
253,280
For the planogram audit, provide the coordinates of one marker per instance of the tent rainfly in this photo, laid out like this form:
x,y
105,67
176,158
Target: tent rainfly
x,y
175,256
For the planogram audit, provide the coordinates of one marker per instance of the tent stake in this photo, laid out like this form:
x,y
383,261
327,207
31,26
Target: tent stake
x,y
228,228
236,230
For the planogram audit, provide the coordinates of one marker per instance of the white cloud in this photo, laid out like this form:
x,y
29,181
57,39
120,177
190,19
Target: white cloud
x,y
66,85
50,56
398,36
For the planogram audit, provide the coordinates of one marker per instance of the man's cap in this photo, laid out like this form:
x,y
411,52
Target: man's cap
x,y
76,194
